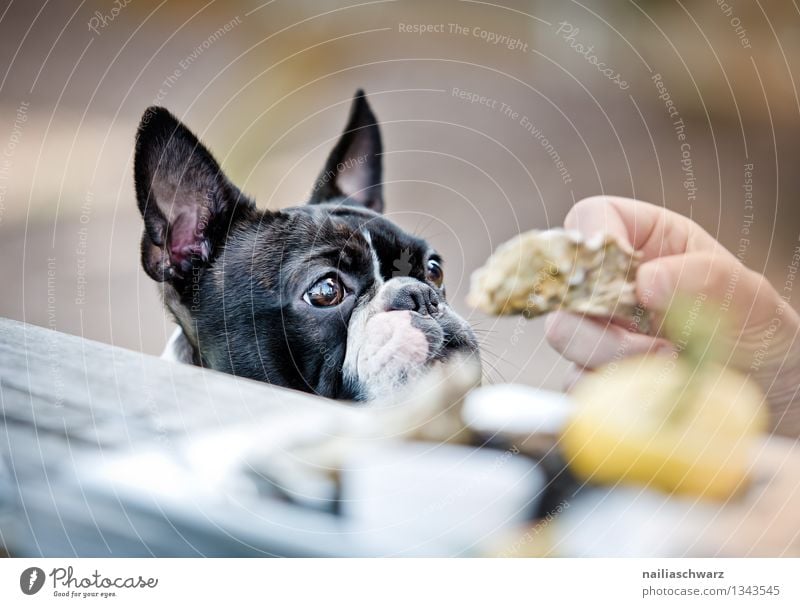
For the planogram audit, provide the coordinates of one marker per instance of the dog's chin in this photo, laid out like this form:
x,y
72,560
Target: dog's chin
x,y
392,351
395,348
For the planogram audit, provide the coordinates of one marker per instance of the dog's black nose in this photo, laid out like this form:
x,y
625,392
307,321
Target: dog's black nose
x,y
415,296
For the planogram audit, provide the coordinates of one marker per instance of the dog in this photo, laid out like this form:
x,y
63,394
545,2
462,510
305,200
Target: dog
x,y
329,297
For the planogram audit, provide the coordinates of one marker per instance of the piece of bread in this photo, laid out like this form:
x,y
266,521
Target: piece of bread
x,y
540,271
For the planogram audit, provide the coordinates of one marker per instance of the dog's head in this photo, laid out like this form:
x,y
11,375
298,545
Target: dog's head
x,y
330,297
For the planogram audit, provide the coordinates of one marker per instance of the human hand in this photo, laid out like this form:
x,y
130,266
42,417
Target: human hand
x,y
679,258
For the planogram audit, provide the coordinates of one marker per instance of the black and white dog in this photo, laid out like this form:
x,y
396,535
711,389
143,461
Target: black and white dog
x,y
329,297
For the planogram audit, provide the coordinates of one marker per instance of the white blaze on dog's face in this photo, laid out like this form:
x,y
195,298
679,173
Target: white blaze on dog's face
x,y
387,347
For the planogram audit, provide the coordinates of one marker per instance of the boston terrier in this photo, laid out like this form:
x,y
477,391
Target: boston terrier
x,y
330,297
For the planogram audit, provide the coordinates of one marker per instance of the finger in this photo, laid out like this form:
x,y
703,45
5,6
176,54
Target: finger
x,y
722,286
591,343
710,276
653,230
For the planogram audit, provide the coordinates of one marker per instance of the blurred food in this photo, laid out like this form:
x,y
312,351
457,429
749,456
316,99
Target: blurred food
x,y
399,492
636,521
309,472
540,271
664,422
529,418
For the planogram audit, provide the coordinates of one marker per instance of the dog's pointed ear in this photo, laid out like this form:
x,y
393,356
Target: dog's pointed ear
x,y
186,201
354,168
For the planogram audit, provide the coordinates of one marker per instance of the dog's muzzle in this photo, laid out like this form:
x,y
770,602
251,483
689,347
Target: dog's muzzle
x,y
398,333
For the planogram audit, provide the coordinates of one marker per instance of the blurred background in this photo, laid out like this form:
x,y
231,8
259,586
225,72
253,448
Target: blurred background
x,y
496,118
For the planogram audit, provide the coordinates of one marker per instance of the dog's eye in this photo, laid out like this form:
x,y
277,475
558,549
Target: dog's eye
x,y
434,272
325,293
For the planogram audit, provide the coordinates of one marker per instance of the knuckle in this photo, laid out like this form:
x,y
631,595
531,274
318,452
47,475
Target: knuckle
x,y
588,203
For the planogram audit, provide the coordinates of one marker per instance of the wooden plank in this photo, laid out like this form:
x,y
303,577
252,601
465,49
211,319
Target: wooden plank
x,y
45,372
121,400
